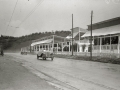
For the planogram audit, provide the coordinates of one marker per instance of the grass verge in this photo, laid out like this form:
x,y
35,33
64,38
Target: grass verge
x,y
94,58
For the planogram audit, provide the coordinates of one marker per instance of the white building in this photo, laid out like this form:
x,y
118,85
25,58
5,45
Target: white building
x,y
78,42
50,43
106,39
106,36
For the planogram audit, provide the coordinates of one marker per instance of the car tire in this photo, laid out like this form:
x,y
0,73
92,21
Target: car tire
x,y
52,59
44,57
37,57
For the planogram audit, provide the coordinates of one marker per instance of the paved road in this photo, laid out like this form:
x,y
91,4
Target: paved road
x,y
13,76
68,74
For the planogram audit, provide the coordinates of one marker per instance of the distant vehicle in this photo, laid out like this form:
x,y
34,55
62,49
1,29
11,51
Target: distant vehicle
x,y
23,51
45,54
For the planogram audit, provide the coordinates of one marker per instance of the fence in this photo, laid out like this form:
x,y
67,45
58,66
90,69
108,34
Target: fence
x,y
106,47
108,55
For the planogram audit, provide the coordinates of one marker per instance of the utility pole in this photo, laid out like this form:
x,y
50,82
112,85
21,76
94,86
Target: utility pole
x,y
30,45
91,37
72,34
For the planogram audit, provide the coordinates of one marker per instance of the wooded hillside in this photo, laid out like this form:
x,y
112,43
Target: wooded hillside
x,y
15,43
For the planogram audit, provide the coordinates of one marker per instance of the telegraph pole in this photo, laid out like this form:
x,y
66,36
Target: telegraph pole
x,y
72,34
91,37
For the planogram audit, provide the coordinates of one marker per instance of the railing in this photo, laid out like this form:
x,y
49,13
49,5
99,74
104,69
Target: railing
x,y
106,47
97,47
98,54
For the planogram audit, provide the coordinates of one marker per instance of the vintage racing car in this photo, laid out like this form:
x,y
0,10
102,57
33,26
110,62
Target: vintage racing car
x,y
45,54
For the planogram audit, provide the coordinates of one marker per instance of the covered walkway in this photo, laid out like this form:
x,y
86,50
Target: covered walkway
x,y
50,43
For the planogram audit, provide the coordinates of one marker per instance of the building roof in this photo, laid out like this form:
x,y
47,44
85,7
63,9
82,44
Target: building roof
x,y
42,42
49,39
104,31
105,23
76,31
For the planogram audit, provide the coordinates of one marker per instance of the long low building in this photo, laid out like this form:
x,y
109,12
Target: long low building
x,y
60,44
50,43
106,36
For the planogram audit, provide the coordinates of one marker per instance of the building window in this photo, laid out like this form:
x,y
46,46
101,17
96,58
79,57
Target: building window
x,y
97,41
37,48
114,40
55,45
106,41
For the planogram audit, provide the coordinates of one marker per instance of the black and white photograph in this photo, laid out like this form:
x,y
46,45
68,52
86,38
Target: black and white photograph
x,y
59,44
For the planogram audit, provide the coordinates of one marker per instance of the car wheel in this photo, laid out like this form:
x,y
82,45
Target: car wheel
x,y
52,58
44,57
37,57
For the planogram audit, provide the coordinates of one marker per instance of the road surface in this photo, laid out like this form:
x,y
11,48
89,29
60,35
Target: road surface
x,y
13,76
68,74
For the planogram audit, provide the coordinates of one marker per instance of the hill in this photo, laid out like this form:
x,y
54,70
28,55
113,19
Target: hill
x,y
14,44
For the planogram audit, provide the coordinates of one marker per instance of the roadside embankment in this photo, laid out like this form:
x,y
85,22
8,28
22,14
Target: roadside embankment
x,y
94,58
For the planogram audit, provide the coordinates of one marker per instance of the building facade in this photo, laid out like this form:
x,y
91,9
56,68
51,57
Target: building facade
x,y
105,39
106,36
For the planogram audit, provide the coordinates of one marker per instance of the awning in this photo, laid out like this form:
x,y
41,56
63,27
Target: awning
x,y
104,31
42,42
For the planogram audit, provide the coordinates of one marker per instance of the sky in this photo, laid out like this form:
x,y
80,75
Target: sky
x,y
52,15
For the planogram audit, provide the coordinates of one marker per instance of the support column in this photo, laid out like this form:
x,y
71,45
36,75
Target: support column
x,y
118,44
39,47
48,47
62,46
34,48
79,40
110,44
100,43
53,44
93,43
42,46
77,47
57,47
51,47
45,46
69,46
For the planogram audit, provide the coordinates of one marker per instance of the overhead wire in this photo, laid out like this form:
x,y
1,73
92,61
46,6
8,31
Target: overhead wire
x,y
11,16
33,10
